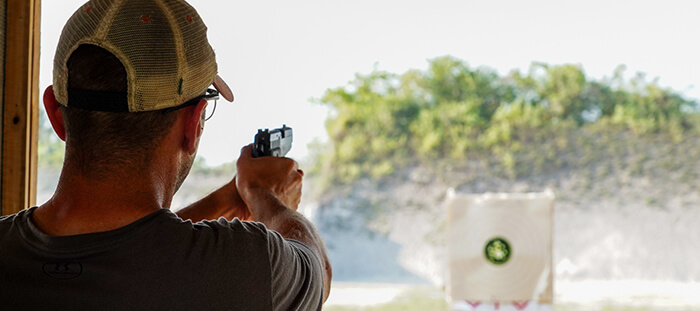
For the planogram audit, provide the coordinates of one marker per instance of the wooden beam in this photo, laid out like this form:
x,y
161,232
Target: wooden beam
x,y
21,105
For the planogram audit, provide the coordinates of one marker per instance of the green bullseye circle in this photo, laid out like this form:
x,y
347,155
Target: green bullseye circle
x,y
497,251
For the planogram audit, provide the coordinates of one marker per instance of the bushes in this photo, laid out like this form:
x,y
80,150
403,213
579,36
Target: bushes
x,y
382,121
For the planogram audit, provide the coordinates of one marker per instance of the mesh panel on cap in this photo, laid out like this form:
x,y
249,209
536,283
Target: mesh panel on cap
x,y
200,59
143,34
82,24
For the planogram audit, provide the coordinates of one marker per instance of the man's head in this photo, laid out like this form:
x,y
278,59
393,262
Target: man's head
x,y
120,65
99,142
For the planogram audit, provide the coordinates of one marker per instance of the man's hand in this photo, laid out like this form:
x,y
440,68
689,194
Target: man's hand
x,y
267,178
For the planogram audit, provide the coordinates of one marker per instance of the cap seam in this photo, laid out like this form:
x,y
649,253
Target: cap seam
x,y
108,19
179,46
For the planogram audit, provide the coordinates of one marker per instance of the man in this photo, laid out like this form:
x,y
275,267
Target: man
x,y
131,81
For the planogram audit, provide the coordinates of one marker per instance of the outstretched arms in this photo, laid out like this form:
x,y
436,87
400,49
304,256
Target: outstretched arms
x,y
267,190
271,188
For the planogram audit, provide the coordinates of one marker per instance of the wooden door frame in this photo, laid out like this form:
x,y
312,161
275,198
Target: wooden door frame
x,y
20,105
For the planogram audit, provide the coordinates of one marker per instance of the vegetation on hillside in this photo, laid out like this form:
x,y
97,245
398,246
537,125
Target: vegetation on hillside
x,y
522,122
517,125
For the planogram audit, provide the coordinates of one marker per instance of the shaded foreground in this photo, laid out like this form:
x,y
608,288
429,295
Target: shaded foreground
x,y
574,296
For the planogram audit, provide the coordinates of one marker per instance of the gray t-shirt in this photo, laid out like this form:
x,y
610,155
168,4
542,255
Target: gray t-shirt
x,y
159,262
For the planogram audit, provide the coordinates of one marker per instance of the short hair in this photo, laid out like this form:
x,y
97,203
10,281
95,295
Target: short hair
x,y
98,142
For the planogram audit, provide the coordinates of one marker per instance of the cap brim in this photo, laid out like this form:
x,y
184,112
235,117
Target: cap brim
x,y
223,88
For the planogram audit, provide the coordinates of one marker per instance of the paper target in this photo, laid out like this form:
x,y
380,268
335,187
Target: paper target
x,y
500,247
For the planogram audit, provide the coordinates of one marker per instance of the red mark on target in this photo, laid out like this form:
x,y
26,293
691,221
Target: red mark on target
x,y
520,305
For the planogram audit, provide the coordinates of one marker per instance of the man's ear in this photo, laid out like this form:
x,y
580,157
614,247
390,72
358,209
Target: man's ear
x,y
194,125
53,111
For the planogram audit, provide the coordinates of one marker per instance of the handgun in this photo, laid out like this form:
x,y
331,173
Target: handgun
x,y
274,143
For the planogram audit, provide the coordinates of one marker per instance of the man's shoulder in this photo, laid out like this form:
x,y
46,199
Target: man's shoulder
x,y
234,227
219,236
8,221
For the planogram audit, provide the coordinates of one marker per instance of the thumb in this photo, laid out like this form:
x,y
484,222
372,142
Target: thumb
x,y
247,151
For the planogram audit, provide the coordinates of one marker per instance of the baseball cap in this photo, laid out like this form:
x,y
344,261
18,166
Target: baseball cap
x,y
162,44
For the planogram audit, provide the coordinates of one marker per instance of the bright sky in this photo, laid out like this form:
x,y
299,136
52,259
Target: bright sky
x,y
277,55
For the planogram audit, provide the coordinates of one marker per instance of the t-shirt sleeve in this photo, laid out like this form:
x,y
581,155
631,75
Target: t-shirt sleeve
x,y
297,280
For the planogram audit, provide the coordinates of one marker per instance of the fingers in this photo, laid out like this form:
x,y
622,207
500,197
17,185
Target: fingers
x,y
279,176
287,163
291,164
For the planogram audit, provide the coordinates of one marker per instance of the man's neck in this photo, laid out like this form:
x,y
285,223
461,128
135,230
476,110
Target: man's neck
x,y
81,205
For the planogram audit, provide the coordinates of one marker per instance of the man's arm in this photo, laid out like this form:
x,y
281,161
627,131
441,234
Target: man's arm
x,y
271,188
223,202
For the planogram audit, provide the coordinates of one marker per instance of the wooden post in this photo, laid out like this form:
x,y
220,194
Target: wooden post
x,y
21,105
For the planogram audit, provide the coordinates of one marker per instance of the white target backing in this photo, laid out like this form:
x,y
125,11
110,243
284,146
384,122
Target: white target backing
x,y
500,247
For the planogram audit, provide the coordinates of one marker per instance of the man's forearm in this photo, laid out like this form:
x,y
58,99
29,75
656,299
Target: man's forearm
x,y
293,225
271,188
223,202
